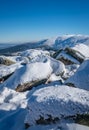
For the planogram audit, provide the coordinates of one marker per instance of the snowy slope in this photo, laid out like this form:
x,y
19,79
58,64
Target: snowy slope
x,y
69,41
81,78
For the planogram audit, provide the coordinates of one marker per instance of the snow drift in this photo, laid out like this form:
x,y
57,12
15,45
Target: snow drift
x,y
55,102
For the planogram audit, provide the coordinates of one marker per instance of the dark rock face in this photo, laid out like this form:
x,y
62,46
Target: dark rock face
x,y
77,55
29,86
82,119
5,78
66,61
49,120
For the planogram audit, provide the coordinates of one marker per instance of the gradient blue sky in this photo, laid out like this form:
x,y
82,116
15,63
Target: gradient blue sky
x,y
27,20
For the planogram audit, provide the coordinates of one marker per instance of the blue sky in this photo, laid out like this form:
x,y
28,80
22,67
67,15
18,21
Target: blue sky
x,y
29,20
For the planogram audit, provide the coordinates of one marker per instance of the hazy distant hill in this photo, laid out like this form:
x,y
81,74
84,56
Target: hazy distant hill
x,y
58,43
20,47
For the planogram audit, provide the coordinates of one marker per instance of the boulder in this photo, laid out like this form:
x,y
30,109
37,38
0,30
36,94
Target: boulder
x,y
5,61
52,103
28,76
74,53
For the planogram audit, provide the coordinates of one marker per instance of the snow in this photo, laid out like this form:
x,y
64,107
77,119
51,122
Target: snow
x,y
28,73
31,53
53,77
80,79
62,126
6,70
9,99
83,49
70,70
58,101
67,57
17,59
74,126
12,109
41,67
52,98
57,66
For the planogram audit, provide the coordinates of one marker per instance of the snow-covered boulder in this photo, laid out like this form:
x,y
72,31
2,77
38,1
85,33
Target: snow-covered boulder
x,y
29,75
35,73
31,53
67,59
80,78
70,56
20,59
5,61
7,71
51,103
57,66
70,70
72,49
76,54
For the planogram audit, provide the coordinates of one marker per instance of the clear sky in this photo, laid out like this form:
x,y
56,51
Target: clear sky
x,y
28,20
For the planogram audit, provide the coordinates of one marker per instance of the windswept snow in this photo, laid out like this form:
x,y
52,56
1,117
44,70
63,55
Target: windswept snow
x,y
56,102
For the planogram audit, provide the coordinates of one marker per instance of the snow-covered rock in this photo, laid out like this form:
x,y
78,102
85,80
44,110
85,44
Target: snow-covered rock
x,y
72,49
80,78
57,66
6,71
11,100
31,53
76,54
70,70
34,73
5,61
66,58
56,102
28,75
20,59
83,49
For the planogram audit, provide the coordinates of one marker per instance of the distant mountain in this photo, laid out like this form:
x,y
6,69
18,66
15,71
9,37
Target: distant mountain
x,y
54,44
6,45
21,47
